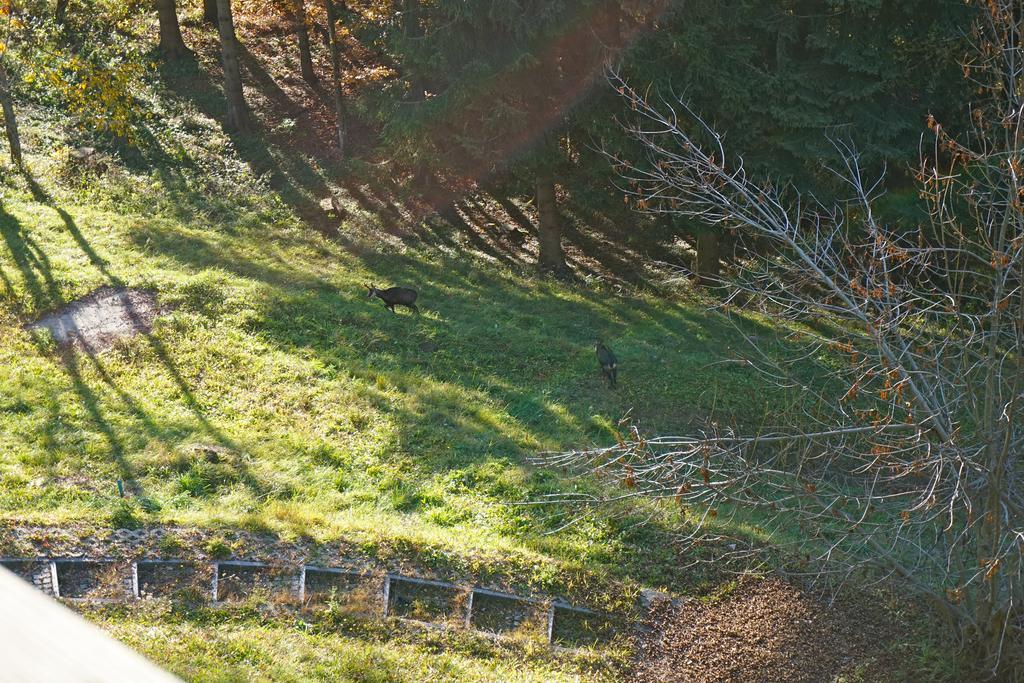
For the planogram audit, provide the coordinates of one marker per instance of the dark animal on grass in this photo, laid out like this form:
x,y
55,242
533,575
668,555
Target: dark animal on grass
x,y
609,363
394,296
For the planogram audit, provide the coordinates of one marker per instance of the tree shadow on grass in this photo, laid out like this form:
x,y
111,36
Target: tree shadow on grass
x,y
35,270
32,264
36,274
302,180
515,390
485,328
265,83
596,246
297,182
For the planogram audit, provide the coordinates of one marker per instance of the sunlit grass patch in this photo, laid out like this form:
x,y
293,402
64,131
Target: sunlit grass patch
x,y
214,645
272,395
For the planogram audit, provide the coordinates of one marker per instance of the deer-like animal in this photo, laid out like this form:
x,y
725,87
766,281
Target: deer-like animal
x,y
609,363
394,296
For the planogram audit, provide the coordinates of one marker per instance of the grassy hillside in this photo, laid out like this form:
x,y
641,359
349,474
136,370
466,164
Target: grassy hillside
x,y
212,646
273,396
335,417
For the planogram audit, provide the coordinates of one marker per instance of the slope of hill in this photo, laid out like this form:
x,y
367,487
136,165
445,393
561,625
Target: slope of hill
x,y
271,395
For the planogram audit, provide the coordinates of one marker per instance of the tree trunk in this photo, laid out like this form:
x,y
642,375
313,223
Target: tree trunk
x,y
423,179
549,228
708,261
210,11
62,11
302,33
413,30
339,102
171,44
10,122
238,111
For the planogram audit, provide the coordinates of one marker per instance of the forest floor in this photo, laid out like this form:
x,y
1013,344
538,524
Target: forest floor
x,y
766,630
407,437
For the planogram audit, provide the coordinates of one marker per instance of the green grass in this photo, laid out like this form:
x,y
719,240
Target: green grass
x,y
326,416
222,645
332,420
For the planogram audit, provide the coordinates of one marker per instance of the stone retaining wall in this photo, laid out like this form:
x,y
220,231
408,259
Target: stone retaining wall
x,y
412,598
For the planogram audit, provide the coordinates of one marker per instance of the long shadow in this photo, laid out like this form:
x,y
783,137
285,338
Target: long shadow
x,y
36,273
88,398
69,359
298,184
458,222
498,244
602,251
266,83
514,212
372,204
174,171
6,281
31,262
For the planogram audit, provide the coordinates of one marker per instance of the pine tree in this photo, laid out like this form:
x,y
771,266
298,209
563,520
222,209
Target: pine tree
x,y
503,78
781,77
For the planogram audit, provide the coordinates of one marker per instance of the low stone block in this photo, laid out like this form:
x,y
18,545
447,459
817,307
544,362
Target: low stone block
x,y
92,580
576,627
429,601
505,614
238,581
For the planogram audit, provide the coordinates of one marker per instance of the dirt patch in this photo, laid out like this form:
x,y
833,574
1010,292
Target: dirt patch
x,y
97,320
765,630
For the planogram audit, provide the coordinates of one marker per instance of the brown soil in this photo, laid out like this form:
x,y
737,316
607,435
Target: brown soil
x,y
765,630
97,320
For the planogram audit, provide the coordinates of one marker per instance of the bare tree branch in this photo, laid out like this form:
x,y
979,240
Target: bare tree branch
x,y
909,456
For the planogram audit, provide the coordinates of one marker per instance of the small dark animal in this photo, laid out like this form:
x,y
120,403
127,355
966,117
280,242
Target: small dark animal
x,y
609,363
394,296
516,237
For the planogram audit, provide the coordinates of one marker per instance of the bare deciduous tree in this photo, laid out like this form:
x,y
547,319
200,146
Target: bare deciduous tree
x,y
909,455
